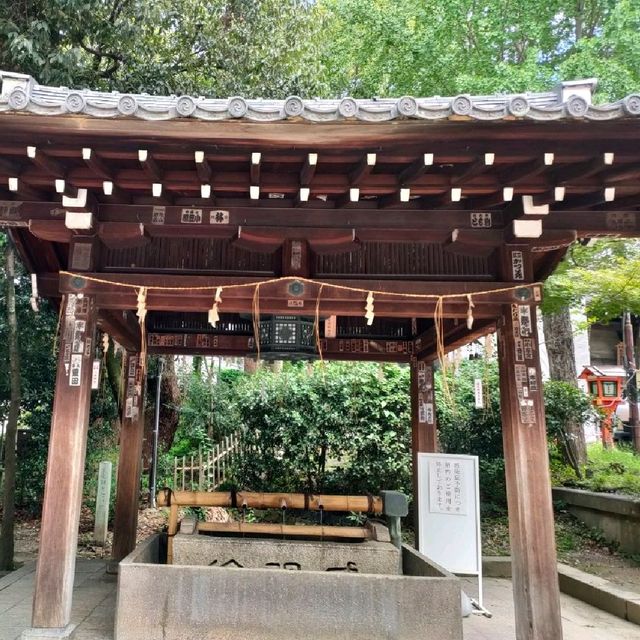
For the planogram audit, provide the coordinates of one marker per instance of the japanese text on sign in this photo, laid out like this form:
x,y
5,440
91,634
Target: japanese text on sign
x,y
446,487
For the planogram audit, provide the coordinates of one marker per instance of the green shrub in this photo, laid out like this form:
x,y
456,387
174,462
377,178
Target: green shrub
x,y
466,430
338,427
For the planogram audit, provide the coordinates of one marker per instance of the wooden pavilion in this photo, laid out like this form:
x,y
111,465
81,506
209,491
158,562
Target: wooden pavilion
x,y
363,213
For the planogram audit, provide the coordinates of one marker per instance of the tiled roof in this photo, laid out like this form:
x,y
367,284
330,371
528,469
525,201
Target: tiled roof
x,y
570,100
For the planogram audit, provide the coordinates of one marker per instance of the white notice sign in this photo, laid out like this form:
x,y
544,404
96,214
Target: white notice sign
x,y
449,511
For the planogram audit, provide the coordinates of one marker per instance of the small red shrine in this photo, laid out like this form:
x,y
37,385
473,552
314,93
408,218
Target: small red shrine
x,y
605,388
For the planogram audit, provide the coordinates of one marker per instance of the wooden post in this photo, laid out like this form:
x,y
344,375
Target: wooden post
x,y
424,437
531,520
65,468
130,459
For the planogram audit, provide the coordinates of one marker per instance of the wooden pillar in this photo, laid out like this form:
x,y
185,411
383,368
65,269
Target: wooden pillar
x,y
424,437
130,459
65,467
531,519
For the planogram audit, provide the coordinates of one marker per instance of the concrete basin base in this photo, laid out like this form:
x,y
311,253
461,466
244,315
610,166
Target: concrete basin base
x,y
173,602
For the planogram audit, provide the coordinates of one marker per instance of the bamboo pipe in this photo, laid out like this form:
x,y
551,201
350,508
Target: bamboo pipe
x,y
173,529
309,502
291,530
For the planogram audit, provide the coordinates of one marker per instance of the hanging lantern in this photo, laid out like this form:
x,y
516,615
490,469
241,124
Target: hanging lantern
x,y
287,337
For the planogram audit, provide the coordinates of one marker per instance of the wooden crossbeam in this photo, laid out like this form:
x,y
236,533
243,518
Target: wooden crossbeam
x,y
621,174
379,184
203,168
362,169
46,163
113,193
571,173
308,169
24,191
476,168
588,200
416,220
626,203
494,200
347,348
348,199
415,169
557,194
520,173
63,187
8,168
149,165
399,198
122,326
96,164
254,168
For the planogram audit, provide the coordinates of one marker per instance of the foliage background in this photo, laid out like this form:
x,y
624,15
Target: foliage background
x,y
275,48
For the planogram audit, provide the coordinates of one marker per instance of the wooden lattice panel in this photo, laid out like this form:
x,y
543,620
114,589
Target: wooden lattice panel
x,y
189,254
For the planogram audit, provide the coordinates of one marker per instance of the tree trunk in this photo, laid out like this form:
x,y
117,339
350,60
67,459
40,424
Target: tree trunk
x,y
169,412
8,505
558,337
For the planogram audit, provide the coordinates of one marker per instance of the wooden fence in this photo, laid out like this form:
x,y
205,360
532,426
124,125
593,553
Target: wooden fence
x,y
207,470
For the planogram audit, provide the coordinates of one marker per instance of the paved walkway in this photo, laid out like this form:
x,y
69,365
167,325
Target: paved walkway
x,y
95,600
580,621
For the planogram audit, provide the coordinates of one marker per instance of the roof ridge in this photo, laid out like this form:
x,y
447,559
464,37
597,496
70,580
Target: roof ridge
x,y
568,100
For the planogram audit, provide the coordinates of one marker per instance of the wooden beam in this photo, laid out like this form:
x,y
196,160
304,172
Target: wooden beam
x,y
8,168
424,435
348,349
149,166
122,326
494,200
588,200
415,170
95,163
283,136
24,191
362,169
582,170
130,458
276,298
45,163
520,173
476,168
557,194
308,169
67,445
182,282
531,517
203,168
254,169
274,216
621,174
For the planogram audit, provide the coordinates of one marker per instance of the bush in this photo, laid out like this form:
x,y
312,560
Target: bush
x,y
612,470
338,427
466,430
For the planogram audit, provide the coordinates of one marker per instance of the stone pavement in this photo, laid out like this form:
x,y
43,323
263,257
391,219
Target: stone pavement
x,y
580,621
95,600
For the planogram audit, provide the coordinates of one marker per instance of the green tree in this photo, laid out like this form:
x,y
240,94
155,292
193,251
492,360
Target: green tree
x,y
9,479
215,47
426,47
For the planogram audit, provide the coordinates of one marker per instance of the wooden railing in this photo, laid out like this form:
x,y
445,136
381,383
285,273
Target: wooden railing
x,y
207,470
